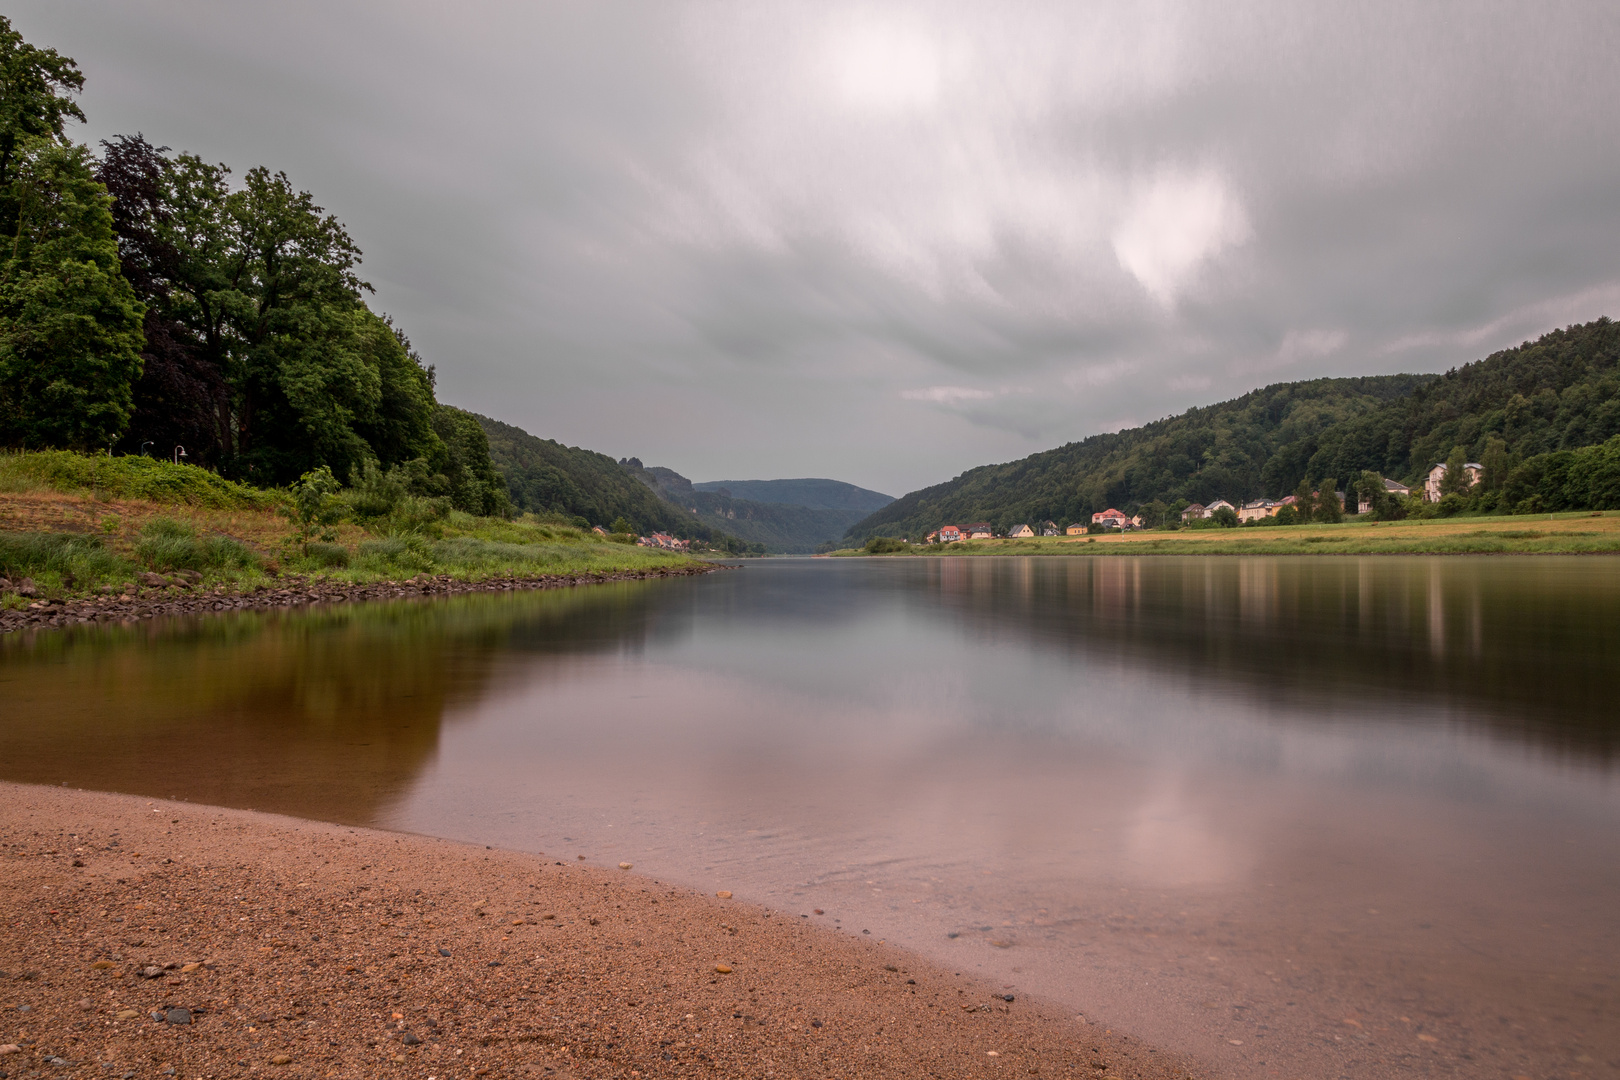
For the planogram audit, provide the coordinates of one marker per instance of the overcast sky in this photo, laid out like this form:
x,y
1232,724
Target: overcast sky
x,y
888,242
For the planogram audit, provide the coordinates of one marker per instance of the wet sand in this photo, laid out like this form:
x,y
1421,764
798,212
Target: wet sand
x,y
150,938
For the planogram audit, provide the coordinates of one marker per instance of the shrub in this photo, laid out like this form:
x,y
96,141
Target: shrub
x,y
135,478
167,544
80,560
325,554
404,553
884,545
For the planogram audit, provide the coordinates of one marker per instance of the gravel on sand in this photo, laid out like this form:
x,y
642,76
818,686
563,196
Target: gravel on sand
x,y
141,938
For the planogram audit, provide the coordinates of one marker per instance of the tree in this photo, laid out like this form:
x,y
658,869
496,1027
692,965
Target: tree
x,y
1496,464
622,526
314,503
70,326
1304,497
35,106
1225,517
1328,508
1455,480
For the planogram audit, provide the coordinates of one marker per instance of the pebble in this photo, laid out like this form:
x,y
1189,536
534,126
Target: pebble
x,y
178,1016
283,1059
10,1048
444,952
624,866
724,894
722,969
411,1039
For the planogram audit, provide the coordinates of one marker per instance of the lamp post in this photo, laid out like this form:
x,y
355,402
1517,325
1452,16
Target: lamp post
x,y
179,452
144,445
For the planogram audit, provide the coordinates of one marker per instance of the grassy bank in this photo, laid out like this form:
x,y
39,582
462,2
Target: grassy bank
x,y
1558,534
77,525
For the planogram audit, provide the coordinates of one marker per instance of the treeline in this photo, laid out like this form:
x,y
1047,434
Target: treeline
x,y
1514,412
543,476
150,303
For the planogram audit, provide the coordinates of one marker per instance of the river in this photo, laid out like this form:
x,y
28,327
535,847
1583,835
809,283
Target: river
x,y
1302,817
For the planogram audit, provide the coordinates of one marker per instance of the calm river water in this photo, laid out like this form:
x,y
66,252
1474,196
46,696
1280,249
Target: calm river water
x,y
1298,817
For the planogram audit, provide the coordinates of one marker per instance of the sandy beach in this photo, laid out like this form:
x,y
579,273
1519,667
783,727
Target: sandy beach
x,y
150,938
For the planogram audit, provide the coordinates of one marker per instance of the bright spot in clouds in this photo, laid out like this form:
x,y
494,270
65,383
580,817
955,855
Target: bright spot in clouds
x,y
885,63
947,395
1174,224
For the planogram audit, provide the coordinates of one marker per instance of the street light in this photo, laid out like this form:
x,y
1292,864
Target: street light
x,y
144,445
179,452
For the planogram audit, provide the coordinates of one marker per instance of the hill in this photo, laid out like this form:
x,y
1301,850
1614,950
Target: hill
x,y
1511,410
818,494
543,475
783,528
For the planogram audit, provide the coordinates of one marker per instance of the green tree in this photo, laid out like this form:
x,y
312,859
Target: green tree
x,y
1455,480
314,503
1303,500
35,106
622,526
1496,463
70,326
1225,517
1328,509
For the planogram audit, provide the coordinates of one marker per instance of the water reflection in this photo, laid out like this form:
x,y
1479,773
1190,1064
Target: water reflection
x,y
330,712
1230,804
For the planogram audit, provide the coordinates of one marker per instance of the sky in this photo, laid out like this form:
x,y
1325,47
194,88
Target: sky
x,y
887,242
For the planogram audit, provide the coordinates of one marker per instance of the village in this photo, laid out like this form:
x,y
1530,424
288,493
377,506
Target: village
x,y
1286,510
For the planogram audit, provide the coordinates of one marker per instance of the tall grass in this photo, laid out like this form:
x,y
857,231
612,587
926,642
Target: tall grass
x,y
166,544
60,557
131,478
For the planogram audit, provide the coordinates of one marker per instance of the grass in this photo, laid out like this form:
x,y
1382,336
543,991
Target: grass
x,y
75,524
147,479
1558,534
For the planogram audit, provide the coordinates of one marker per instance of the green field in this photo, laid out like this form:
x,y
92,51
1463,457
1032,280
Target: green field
x,y
1556,534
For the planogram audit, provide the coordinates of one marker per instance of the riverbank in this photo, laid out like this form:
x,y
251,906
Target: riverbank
x,y
179,599
83,556
1583,533
150,938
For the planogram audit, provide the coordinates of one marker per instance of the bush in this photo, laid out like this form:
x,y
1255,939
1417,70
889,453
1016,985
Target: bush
x,y
136,478
167,544
326,555
885,545
83,561
404,553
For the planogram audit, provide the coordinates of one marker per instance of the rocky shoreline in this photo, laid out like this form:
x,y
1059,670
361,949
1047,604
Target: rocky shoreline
x,y
147,938
175,595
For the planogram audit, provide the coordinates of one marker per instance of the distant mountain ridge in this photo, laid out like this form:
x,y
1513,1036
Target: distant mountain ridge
x,y
1560,392
783,527
543,475
814,492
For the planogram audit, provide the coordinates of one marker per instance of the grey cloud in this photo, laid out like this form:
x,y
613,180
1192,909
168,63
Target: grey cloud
x,y
889,242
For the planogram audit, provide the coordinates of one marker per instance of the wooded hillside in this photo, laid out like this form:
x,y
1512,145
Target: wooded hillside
x,y
1557,393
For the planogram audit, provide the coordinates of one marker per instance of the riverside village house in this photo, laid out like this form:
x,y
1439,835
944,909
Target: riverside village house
x,y
1020,531
1431,483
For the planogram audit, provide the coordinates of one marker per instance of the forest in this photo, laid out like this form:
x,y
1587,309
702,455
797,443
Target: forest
x,y
153,303
1540,417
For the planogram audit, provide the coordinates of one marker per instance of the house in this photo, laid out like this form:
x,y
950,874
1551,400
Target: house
x,y
950,534
1394,487
1255,509
1136,522
1218,504
1112,518
1050,528
663,540
979,530
1431,485
1020,531
1075,529
1194,512
599,531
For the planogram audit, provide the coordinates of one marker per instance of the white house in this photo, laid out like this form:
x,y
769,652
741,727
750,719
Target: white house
x,y
1255,509
1020,531
1431,485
